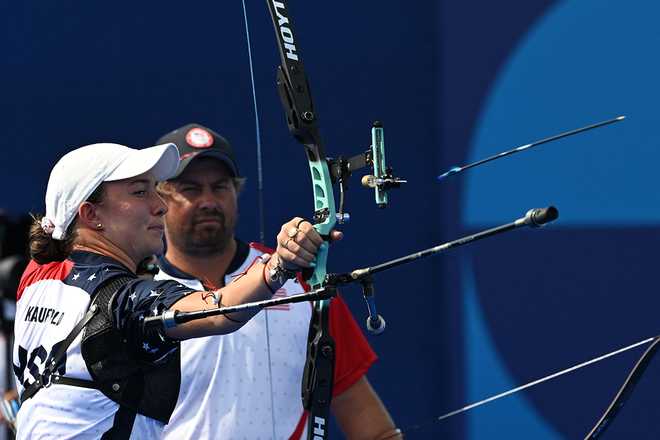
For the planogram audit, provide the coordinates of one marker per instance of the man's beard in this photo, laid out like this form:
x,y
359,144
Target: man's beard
x,y
206,239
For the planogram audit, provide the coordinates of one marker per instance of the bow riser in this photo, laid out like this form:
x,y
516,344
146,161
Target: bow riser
x,y
296,98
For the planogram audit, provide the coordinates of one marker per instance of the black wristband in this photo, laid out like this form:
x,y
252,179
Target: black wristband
x,y
280,274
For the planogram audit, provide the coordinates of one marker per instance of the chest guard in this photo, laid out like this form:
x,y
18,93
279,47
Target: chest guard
x,y
116,368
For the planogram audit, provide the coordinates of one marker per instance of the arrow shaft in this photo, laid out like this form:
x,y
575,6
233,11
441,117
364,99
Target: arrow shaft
x,y
456,170
544,379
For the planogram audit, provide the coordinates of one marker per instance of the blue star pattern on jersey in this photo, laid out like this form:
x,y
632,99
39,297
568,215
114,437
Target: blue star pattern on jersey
x,y
141,298
133,302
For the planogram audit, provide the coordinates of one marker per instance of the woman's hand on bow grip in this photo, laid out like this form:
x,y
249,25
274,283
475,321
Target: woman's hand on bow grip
x,y
298,242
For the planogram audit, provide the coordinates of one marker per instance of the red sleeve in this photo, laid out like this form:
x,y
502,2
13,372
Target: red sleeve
x,y
354,355
34,272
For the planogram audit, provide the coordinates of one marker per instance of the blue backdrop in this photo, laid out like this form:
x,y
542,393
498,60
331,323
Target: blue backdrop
x,y
452,82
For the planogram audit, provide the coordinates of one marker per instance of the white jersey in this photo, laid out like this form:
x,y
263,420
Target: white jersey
x,y
246,385
51,300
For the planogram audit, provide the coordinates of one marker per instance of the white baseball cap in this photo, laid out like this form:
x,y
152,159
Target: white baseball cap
x,y
78,173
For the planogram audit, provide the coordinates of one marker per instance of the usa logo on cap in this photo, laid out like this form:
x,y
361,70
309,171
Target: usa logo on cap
x,y
199,138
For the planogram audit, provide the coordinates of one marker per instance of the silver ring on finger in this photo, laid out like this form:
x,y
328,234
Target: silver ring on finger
x,y
292,232
284,245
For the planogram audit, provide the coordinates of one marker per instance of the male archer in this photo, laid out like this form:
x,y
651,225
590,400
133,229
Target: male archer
x,y
247,384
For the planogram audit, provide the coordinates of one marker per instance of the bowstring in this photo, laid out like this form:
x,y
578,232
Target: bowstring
x,y
260,202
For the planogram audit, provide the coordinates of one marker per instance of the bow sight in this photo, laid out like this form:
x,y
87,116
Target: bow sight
x,y
382,179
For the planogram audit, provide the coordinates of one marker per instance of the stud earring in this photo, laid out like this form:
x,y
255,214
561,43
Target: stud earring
x,y
99,226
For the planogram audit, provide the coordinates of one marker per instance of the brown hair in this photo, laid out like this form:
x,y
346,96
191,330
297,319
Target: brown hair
x,y
43,248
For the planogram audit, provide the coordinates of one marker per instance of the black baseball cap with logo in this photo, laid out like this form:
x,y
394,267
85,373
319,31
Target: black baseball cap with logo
x,y
194,140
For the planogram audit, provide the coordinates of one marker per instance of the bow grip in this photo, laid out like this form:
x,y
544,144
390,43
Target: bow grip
x,y
325,214
317,277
